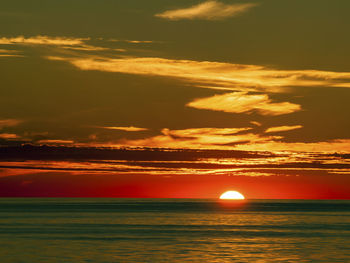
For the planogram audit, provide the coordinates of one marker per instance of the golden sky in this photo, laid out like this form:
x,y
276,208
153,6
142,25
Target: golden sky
x,y
222,75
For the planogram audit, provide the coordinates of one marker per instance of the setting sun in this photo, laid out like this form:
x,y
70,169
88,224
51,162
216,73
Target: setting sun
x,y
232,195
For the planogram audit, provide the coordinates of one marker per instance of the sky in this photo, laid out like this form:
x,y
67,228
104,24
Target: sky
x,y
183,99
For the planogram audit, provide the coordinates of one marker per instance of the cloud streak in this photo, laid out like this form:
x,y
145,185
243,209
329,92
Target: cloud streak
x,y
224,138
133,41
216,75
9,53
241,102
127,129
283,128
9,123
199,138
56,142
43,40
226,76
63,42
340,145
9,136
209,10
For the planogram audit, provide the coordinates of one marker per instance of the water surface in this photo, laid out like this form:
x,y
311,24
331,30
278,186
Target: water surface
x,y
173,230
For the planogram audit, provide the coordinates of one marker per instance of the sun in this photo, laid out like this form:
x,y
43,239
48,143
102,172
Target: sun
x,y
232,195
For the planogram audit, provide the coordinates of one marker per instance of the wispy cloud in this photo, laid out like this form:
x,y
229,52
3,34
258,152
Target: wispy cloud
x,y
63,42
9,53
89,48
128,129
241,102
133,41
340,145
256,123
215,74
203,131
8,136
235,77
9,122
139,41
200,138
55,142
243,140
43,40
209,10
283,128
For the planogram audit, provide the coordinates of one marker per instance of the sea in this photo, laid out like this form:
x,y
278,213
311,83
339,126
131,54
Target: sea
x,y
173,230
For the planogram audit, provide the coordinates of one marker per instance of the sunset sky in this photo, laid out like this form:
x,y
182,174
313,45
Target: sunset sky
x,y
175,98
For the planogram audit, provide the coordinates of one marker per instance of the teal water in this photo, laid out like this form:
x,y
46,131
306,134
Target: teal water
x,y
173,230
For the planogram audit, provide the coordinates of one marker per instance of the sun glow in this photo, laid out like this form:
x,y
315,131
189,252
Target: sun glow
x,y
232,195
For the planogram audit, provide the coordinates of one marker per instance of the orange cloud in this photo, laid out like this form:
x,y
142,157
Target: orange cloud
x,y
341,145
9,122
210,10
256,123
283,128
240,102
215,138
59,142
234,139
9,136
128,129
203,131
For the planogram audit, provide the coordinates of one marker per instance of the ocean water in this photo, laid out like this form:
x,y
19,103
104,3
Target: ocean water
x,y
173,230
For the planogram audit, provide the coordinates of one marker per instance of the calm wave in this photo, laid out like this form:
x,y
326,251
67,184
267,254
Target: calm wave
x,y
173,230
